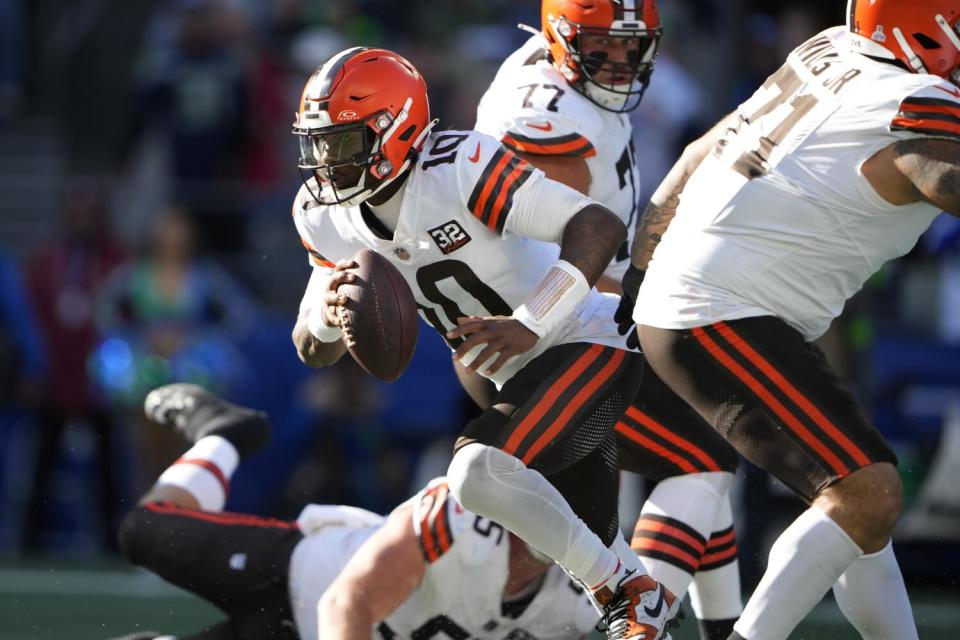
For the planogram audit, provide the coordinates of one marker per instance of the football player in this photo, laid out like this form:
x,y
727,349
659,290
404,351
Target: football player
x,y
429,568
561,103
462,219
836,164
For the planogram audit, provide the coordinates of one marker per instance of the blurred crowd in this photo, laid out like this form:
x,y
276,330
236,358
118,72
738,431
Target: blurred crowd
x,y
146,174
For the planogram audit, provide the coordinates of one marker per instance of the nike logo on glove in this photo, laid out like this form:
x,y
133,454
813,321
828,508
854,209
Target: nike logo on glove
x,y
655,611
546,126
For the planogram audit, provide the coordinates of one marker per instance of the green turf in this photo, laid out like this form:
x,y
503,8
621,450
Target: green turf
x,y
95,601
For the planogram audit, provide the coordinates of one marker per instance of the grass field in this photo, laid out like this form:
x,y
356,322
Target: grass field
x,y
95,601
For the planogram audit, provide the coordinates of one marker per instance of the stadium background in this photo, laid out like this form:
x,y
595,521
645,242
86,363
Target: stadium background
x,y
151,139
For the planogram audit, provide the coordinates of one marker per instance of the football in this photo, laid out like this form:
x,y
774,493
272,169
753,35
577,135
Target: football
x,y
379,321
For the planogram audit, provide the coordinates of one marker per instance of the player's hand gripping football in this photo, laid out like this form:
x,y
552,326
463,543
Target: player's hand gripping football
x,y
331,298
502,335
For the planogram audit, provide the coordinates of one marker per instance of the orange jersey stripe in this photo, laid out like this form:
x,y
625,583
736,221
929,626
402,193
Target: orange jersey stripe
x,y
682,463
673,532
578,401
550,397
490,183
579,147
775,405
498,204
668,435
927,125
801,400
645,544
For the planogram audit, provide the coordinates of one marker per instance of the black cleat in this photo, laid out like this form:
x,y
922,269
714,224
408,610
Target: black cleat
x,y
194,412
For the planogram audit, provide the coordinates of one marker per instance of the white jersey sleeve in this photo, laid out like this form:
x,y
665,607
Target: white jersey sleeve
x,y
508,194
930,111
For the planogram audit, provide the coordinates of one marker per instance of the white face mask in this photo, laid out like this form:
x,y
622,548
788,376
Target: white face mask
x,y
614,100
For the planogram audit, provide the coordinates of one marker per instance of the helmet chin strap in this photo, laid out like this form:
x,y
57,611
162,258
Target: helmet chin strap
x,y
915,61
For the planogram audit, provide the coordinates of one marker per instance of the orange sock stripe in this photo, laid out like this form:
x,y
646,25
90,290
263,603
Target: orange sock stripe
x,y
772,403
830,429
640,545
718,540
662,530
648,422
550,398
629,432
219,517
718,558
579,400
212,468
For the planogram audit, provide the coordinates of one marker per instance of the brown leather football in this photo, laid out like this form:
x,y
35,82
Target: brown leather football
x,y
379,321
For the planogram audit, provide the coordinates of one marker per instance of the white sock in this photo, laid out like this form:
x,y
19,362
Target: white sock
x,y
204,471
715,592
675,523
872,596
499,486
804,562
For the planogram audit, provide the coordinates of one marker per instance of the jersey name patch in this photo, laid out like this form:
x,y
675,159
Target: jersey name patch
x,y
449,236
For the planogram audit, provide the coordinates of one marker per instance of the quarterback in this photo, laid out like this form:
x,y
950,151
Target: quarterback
x,y
836,165
511,289
430,568
561,103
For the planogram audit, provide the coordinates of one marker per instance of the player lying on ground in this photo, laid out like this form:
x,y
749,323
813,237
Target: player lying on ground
x,y
339,573
501,261
836,165
561,102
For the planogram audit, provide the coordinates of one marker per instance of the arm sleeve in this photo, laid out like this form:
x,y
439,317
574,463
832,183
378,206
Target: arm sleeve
x,y
319,277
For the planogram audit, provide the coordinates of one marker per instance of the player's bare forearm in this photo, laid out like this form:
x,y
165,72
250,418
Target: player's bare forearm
x,y
313,352
591,239
933,168
345,618
377,579
661,209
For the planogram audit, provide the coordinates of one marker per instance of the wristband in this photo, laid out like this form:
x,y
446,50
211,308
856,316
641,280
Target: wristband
x,y
553,299
319,328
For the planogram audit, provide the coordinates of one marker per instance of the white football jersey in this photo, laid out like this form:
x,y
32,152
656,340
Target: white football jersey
x,y
461,592
531,108
779,220
454,241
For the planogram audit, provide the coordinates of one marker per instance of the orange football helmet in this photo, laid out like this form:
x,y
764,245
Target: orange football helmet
x,y
565,23
363,108
919,35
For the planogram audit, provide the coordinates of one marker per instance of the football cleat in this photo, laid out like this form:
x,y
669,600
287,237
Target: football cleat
x,y
193,412
639,609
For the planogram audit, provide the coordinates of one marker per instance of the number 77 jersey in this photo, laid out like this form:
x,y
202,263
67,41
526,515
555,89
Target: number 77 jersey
x,y
459,240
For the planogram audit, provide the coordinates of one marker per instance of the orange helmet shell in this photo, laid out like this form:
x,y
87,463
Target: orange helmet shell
x,y
562,21
920,34
378,88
